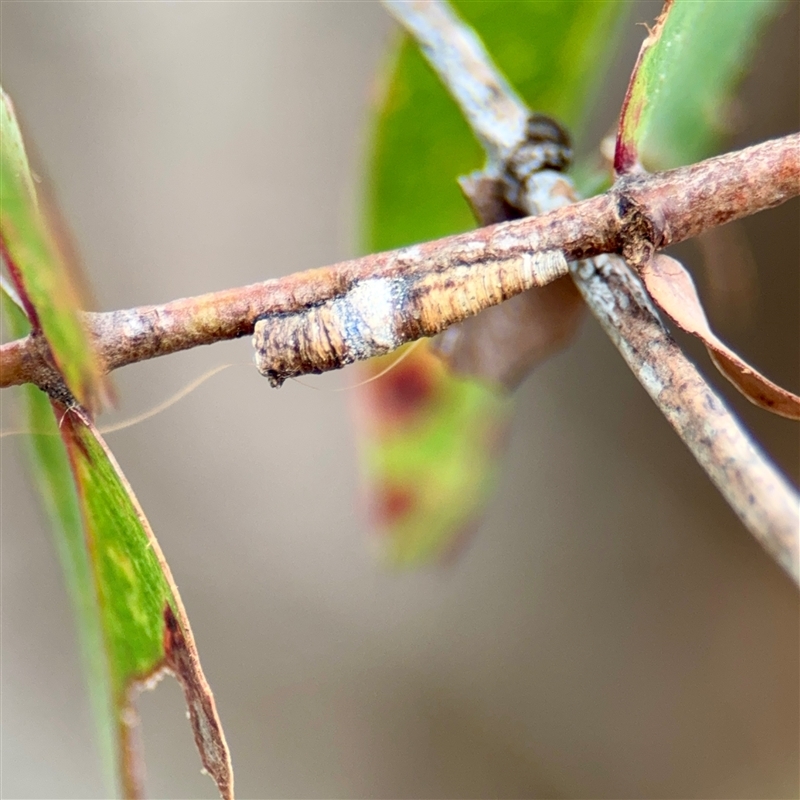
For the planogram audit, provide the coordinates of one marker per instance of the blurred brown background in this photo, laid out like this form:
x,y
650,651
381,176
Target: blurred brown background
x,y
613,631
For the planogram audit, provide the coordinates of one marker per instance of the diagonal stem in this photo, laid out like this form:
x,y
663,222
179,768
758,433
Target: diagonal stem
x,y
762,498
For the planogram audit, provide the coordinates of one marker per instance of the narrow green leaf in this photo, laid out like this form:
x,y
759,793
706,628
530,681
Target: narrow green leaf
x,y
430,440
36,264
677,107
145,629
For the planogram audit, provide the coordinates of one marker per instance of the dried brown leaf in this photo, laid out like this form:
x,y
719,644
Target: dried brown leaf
x,y
182,659
672,288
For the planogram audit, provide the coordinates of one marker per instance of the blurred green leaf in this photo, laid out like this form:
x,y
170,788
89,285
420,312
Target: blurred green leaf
x,y
555,54
429,445
52,475
429,470
37,268
678,105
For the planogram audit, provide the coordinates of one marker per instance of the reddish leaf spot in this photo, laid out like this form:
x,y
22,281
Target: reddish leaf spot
x,y
404,392
390,505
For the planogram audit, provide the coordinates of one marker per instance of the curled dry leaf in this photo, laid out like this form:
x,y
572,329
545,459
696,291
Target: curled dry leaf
x,y
180,656
672,288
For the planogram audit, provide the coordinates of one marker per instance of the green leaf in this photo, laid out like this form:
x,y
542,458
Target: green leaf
x,y
555,54
429,445
677,107
430,440
131,623
36,263
145,629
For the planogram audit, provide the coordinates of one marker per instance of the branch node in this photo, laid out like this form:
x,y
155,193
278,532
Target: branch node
x,y
641,232
45,374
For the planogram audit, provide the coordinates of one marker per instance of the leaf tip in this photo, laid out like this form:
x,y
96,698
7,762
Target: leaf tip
x,y
632,116
181,658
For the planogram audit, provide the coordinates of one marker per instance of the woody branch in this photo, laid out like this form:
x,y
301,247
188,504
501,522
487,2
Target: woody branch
x,y
668,206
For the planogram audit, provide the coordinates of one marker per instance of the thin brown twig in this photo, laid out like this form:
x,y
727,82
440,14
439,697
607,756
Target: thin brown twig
x,y
429,286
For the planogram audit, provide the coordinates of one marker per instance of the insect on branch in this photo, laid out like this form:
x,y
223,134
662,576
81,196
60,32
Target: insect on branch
x,y
513,255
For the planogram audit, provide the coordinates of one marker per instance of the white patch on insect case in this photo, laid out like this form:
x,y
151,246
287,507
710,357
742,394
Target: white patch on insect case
x,y
366,315
408,255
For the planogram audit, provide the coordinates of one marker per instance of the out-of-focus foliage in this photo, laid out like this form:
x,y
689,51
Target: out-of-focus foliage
x,y
34,259
428,474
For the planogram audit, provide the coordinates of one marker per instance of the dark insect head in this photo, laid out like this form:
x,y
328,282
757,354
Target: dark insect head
x,y
547,146
541,128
